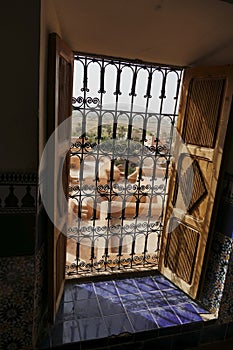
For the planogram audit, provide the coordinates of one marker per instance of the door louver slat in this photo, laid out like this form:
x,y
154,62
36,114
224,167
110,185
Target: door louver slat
x,y
181,250
202,112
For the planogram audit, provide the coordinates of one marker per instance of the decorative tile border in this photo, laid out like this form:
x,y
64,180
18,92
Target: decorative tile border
x,y
18,178
18,193
216,271
40,298
16,302
226,307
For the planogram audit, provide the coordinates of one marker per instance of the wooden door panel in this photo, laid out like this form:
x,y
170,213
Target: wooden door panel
x,y
181,250
202,122
60,82
60,262
202,111
192,185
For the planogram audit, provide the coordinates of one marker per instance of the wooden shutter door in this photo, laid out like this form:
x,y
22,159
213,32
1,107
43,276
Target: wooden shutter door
x,y
60,82
202,122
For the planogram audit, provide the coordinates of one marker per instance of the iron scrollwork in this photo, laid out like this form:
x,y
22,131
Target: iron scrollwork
x,y
121,155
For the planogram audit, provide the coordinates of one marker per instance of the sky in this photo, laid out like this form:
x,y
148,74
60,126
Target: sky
x,y
124,101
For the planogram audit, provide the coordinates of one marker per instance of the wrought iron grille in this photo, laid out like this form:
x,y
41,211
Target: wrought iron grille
x,y
124,115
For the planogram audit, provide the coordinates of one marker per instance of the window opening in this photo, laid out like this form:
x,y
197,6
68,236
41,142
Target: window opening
x,y
123,120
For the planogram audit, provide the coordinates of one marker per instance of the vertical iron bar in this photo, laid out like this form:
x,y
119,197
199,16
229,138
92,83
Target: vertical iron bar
x,y
148,95
112,171
92,254
163,89
137,207
177,92
129,135
85,79
83,140
144,131
140,173
126,169
123,210
114,132
159,237
138,191
77,255
162,97
79,210
95,180
118,82
132,252
106,256
133,88
120,253
152,191
102,76
99,132
145,247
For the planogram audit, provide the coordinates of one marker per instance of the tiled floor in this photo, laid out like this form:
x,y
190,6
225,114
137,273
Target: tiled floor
x,y
109,308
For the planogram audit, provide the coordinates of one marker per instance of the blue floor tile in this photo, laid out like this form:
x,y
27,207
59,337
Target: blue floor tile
x,y
186,313
87,308
117,324
165,317
66,311
83,291
146,284
155,299
65,332
142,321
163,283
134,302
68,293
110,305
126,286
101,309
107,289
199,309
175,296
92,328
